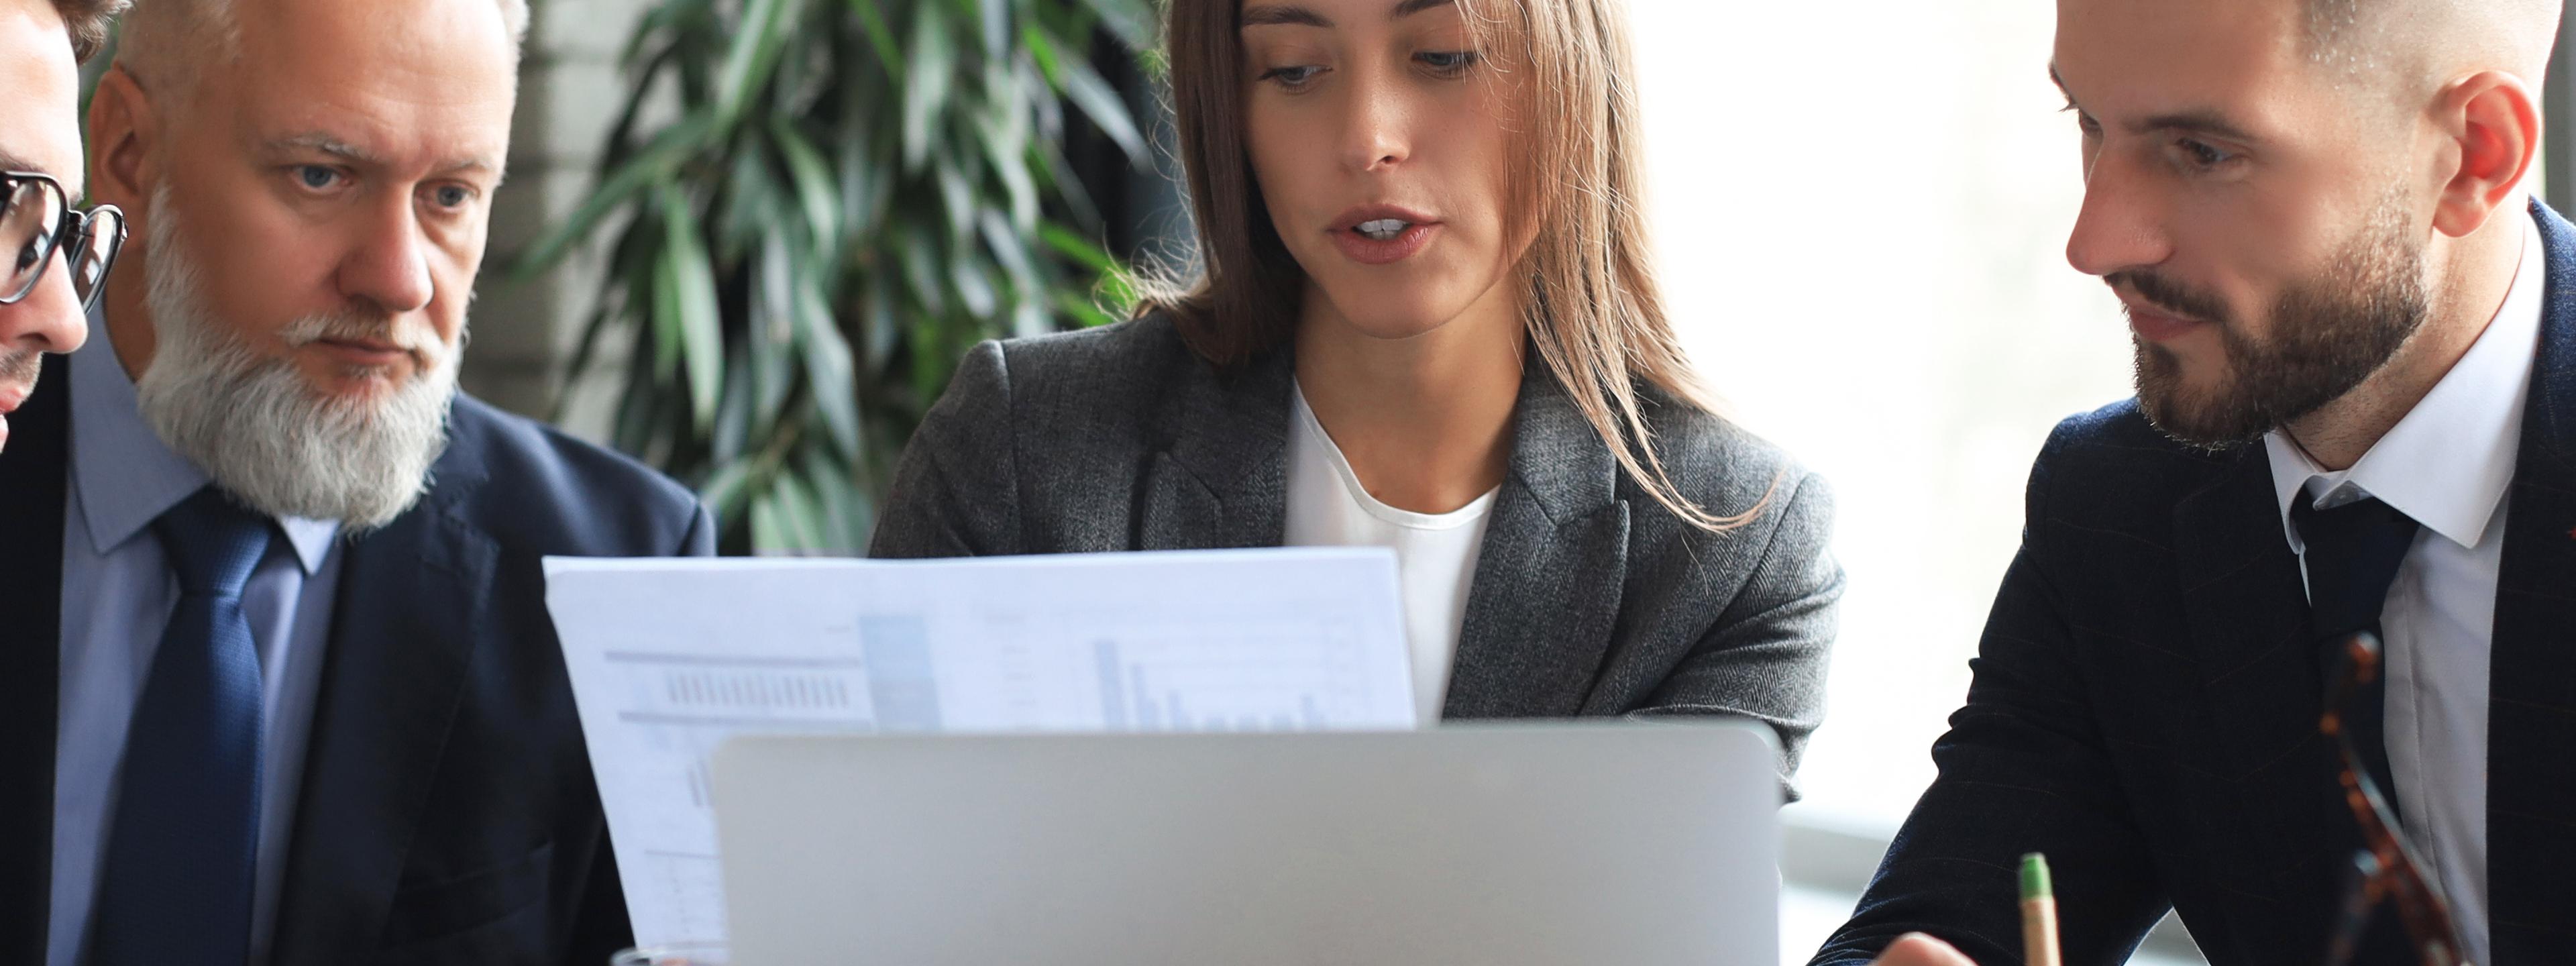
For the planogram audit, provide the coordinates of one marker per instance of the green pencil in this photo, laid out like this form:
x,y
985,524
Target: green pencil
x,y
2038,913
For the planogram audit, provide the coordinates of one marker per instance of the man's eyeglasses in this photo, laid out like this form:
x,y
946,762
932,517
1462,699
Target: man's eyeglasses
x,y
36,218
2385,868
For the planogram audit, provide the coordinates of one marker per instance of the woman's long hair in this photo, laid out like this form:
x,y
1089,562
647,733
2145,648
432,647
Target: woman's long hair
x,y
1589,297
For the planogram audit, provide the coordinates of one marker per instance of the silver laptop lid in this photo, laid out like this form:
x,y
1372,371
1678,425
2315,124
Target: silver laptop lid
x,y
1514,845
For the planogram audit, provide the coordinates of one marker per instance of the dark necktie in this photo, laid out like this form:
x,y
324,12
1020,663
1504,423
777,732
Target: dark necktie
x,y
176,884
2353,553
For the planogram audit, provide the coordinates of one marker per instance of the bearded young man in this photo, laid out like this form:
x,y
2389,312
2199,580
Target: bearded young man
x,y
2356,412
282,684
43,285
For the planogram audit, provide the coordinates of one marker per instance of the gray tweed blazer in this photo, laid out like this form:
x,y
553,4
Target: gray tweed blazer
x,y
1589,597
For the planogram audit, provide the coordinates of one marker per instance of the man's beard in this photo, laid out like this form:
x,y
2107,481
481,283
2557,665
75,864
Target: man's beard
x,y
2328,335
19,367
260,430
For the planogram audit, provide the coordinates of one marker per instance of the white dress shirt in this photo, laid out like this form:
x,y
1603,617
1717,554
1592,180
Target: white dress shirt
x,y
118,594
2447,464
1435,553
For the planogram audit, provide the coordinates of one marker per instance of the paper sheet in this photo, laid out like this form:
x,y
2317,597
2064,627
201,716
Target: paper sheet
x,y
670,657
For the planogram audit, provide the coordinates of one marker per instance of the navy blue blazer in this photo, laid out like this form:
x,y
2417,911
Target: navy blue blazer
x,y
2145,708
447,813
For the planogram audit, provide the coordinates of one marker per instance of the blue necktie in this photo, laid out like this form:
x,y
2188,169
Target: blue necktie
x,y
175,889
2353,554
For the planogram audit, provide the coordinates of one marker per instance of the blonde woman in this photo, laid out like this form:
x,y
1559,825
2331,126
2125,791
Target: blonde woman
x,y
1427,319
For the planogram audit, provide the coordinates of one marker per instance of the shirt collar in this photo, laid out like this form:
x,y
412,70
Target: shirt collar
x,y
127,477
2448,462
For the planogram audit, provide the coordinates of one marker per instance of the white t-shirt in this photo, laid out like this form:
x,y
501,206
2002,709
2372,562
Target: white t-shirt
x,y
1435,554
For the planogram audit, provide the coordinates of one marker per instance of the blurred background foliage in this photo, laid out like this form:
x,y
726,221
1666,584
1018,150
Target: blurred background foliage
x,y
812,208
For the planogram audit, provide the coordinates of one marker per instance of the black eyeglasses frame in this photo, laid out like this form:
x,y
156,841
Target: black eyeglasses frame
x,y
76,226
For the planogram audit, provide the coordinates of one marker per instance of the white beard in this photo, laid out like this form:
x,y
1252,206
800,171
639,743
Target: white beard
x,y
260,431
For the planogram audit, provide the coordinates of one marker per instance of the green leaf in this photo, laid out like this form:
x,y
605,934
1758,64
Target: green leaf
x,y
880,36
1130,20
768,538
773,326
814,187
1082,310
754,51
837,493
921,270
997,28
956,195
1067,188
1118,291
635,409
926,84
800,520
734,416
1011,249
1006,149
1101,103
724,492
1075,247
651,167
749,204
1041,48
1029,319
692,303
860,175
885,326
666,320
670,16
828,369
974,286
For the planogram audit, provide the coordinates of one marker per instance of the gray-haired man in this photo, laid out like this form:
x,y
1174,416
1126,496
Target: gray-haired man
x,y
306,706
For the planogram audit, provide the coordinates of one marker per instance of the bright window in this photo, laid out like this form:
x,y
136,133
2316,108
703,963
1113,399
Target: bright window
x,y
1862,211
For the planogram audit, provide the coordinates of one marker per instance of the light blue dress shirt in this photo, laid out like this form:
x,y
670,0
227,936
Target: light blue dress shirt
x,y
118,594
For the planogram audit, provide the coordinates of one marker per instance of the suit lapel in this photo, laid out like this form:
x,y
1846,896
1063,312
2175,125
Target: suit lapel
x,y
402,639
2247,609
1223,480
2531,709
1547,584
33,470
1546,591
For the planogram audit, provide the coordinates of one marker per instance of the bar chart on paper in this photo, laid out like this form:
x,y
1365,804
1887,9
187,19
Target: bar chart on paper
x,y
1148,687
670,658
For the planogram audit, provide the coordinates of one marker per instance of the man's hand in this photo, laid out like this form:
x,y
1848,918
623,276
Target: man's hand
x,y
1917,949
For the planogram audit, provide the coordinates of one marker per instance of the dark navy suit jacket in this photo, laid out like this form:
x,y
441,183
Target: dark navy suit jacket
x,y
2145,708
447,813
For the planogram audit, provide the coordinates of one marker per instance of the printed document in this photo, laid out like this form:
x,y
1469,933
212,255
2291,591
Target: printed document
x,y
668,658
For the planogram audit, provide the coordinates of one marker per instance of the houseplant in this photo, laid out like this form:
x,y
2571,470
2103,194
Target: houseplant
x,y
811,208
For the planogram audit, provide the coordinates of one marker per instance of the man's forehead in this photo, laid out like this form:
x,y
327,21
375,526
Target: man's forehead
x,y
39,117
450,45
395,77
381,116
2127,57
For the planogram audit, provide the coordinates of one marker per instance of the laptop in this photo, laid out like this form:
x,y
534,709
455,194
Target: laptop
x,y
1503,845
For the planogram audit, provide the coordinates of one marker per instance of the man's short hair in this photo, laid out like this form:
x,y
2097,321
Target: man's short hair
x,y
2330,20
168,42
87,21
2360,34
